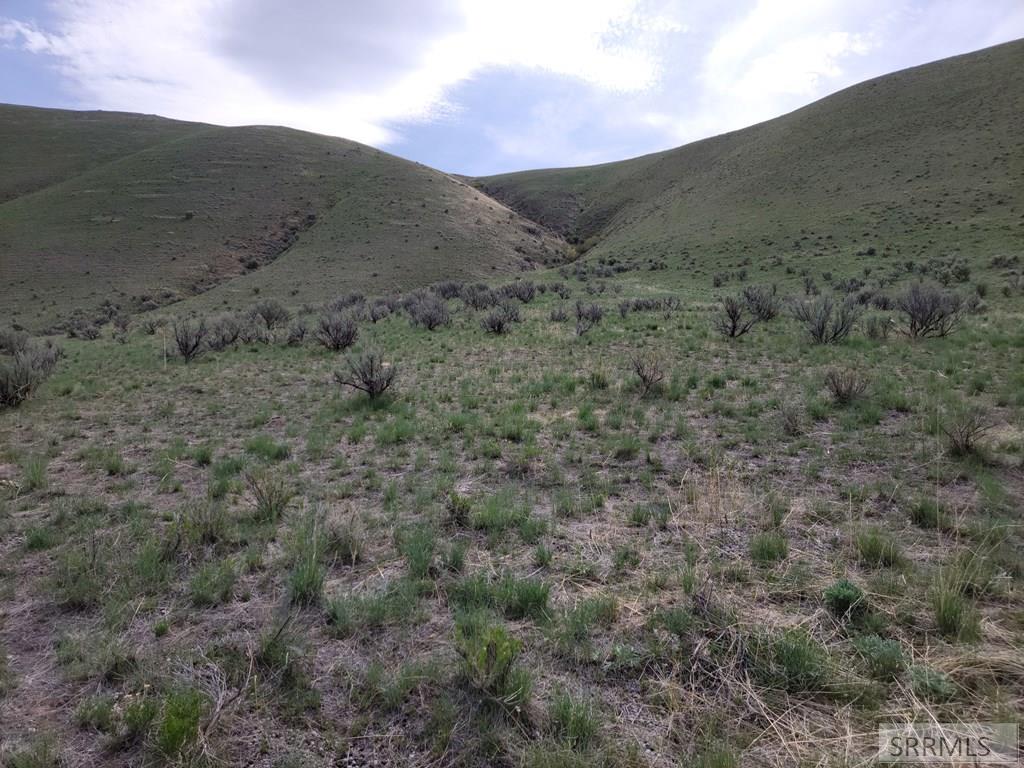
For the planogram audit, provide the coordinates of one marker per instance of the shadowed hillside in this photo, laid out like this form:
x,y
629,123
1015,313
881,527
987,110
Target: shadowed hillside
x,y
164,210
923,162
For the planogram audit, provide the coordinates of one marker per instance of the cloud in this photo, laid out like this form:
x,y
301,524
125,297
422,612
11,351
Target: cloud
x,y
345,68
27,36
775,57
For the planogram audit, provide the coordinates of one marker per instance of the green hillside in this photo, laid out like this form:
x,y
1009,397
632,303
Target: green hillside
x,y
145,216
141,212
40,147
924,162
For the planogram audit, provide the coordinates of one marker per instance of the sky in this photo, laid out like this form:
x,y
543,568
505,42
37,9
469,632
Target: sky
x,y
478,86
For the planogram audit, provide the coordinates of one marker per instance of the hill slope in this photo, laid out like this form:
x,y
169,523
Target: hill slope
x,y
141,212
923,162
40,147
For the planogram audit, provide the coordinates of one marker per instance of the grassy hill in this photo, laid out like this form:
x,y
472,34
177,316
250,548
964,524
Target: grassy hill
x,y
40,147
926,162
142,211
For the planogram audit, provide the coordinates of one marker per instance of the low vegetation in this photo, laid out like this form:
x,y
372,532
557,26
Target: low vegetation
x,y
24,365
507,545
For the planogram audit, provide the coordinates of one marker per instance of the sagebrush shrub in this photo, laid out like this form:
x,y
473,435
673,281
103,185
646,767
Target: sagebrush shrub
x,y
825,321
82,328
225,330
189,336
846,384
447,289
122,328
763,302
648,369
561,290
587,316
151,324
272,313
930,311
379,310
931,685
524,290
883,657
478,296
500,319
254,331
350,301
877,327
733,319
297,332
963,429
12,341
428,311
368,373
336,331
24,371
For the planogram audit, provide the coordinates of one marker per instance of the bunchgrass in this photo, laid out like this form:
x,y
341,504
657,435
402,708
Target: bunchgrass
x,y
793,661
177,729
34,473
768,547
573,720
877,549
489,654
306,549
266,448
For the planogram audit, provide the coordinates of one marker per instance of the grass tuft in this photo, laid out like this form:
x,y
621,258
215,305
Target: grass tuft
x,y
573,721
877,549
768,547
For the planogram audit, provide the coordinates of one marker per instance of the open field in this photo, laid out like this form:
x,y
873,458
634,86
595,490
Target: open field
x,y
659,570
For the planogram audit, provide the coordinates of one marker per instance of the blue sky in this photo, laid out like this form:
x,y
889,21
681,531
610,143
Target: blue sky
x,y
476,86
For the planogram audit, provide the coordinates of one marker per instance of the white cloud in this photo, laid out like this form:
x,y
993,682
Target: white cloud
x,y
173,58
776,57
30,38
